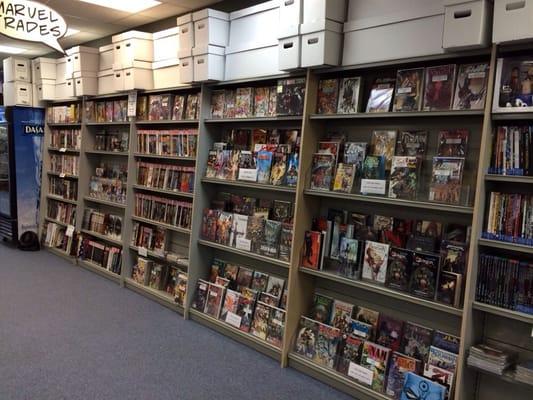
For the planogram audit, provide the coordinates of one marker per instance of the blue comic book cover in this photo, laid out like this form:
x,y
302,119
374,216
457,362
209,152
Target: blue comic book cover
x,y
417,387
264,162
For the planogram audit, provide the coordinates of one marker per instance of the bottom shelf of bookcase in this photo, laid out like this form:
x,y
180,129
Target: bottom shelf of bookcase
x,y
333,378
507,377
236,334
61,253
100,271
158,296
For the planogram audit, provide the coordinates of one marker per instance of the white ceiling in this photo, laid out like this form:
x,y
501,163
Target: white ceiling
x,y
95,22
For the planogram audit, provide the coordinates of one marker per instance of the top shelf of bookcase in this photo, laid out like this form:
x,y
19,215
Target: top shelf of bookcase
x,y
253,119
415,114
512,116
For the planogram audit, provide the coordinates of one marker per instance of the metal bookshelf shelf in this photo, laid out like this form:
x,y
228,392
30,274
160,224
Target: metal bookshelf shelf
x,y
507,377
394,294
161,224
106,153
169,122
161,157
153,254
159,296
113,123
385,115
55,221
59,198
236,334
244,253
426,205
509,178
506,246
164,191
105,202
99,270
251,185
64,150
503,312
253,119
334,378
108,239
511,116
67,176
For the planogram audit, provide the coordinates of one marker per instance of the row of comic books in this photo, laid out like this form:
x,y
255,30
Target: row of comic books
x,y
165,107
64,164
166,211
106,111
69,139
286,98
341,165
63,114
491,358
108,189
165,176
103,223
511,151
101,254
428,89
375,349
54,235
404,255
161,277
62,212
175,142
65,188
149,237
116,140
509,218
505,282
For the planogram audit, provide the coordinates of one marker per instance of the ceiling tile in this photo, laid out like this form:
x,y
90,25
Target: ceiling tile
x,y
134,20
164,10
87,11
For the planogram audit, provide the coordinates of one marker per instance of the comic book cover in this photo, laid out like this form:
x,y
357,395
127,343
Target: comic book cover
x,y
416,341
361,329
278,170
400,365
217,269
341,315
408,92
224,223
311,249
243,102
244,278
276,327
399,269
230,304
259,326
306,337
453,143
383,144
261,98
178,110
351,353
191,108
349,95
108,111
442,359
355,153
389,332
200,296
166,106
221,281
254,231
349,257
446,180
370,317
229,110
269,299
441,376
269,246
416,386
215,297
291,177
100,111
218,100
326,345
453,256
446,341
322,171
290,96
180,291
449,288
328,90
221,164
344,178
471,87
322,306
272,101
264,163
412,143
380,95
283,301
232,165
285,242
247,166
259,281
424,276
245,308
282,211
238,231
438,88
275,286
374,167
209,224
403,183
230,272
90,111
375,261
375,358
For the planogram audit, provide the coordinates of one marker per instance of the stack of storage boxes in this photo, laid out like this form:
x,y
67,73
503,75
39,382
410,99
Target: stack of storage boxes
x,y
43,72
105,69
166,69
17,82
133,54
82,72
289,39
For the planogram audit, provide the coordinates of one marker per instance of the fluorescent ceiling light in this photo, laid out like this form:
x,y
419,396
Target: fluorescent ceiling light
x,y
130,6
11,49
71,31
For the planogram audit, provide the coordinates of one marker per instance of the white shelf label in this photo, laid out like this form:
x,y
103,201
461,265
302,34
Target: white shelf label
x,y
243,244
233,319
132,104
143,252
360,374
63,150
70,231
373,186
62,175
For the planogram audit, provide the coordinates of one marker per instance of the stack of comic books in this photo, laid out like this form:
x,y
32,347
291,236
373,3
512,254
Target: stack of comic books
x,y
511,154
491,358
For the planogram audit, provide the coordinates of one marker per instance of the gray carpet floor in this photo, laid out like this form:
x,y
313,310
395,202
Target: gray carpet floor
x,y
67,333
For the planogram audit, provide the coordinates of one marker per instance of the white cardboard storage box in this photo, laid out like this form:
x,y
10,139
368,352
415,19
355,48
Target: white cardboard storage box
x,y
186,31
65,90
61,70
513,20
166,44
466,24
252,63
82,58
290,18
132,46
208,63
317,10
18,93
186,68
86,83
106,81
17,69
321,43
106,57
254,27
211,27
43,69
138,76
289,53
166,74
46,90
35,101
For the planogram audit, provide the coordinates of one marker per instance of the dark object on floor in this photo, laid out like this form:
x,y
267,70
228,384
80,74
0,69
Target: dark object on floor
x,y
29,241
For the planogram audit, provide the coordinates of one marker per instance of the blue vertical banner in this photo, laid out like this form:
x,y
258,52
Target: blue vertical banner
x,y
28,136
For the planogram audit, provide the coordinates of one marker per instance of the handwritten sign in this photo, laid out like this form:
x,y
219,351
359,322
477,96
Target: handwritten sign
x,y
31,21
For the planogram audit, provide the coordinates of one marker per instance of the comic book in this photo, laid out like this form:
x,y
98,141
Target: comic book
x,y
351,353
374,167
264,163
322,306
230,305
259,327
389,332
245,308
375,358
438,88
269,246
425,270
453,256
247,166
269,299
230,272
254,231
350,257
191,108
328,91
446,341
403,183
446,180
272,101
215,297
380,95
322,171
471,87
440,376
311,249
290,96
355,153
399,269
275,286
217,269
238,232
291,178
200,296
180,291
344,178
326,345
278,170
383,144
400,365
368,316
218,100
416,386
341,315
412,143
261,98
349,95
108,111
375,261
306,337
416,341
408,91
442,359
243,102
361,329
259,281
229,111
453,143
224,223
222,163
178,109
209,224
449,288
285,242
276,326
244,278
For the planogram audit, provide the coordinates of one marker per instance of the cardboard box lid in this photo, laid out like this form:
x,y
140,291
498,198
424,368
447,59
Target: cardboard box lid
x,y
209,12
107,47
172,62
165,33
105,72
184,19
44,60
132,35
81,49
268,5
184,53
321,25
133,64
208,49
84,74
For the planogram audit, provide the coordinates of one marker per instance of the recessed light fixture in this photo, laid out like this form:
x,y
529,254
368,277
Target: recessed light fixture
x,y
130,6
11,49
71,31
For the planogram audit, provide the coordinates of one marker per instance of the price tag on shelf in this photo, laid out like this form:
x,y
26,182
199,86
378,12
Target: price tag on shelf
x,y
360,374
132,104
70,231
143,252
62,175
233,319
63,150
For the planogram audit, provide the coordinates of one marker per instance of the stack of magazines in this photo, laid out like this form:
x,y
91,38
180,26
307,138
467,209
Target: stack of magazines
x,y
490,358
524,372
